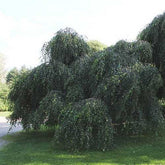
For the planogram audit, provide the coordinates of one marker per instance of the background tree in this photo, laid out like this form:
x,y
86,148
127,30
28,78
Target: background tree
x,y
154,34
14,73
96,46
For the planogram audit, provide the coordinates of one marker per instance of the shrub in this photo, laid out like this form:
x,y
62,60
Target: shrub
x,y
81,77
85,125
31,88
128,85
74,93
49,110
4,103
85,95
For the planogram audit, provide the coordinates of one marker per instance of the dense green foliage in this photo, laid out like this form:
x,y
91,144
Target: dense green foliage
x,y
84,125
154,34
126,83
49,109
66,46
90,98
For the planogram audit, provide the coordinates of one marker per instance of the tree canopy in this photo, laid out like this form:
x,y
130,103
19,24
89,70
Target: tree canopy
x,y
90,98
96,46
154,34
66,46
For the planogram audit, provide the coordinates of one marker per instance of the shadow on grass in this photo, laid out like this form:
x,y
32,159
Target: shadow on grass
x,y
36,149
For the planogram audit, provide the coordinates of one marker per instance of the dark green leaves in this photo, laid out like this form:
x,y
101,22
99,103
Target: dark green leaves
x,y
85,125
88,97
66,46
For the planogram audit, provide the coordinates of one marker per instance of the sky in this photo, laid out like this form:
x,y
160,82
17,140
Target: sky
x,y
25,25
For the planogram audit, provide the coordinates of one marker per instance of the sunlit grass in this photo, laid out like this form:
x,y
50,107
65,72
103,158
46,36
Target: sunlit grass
x,y
35,148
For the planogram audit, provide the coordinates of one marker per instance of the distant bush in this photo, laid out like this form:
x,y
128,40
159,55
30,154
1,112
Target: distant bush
x,y
30,88
4,103
14,73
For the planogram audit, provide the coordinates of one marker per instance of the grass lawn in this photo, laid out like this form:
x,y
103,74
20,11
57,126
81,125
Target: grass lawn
x,y
5,113
36,149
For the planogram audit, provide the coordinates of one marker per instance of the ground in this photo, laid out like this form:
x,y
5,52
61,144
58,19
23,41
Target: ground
x,y
5,129
37,148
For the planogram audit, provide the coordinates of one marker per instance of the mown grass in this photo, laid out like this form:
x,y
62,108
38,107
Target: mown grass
x,y
35,148
5,113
